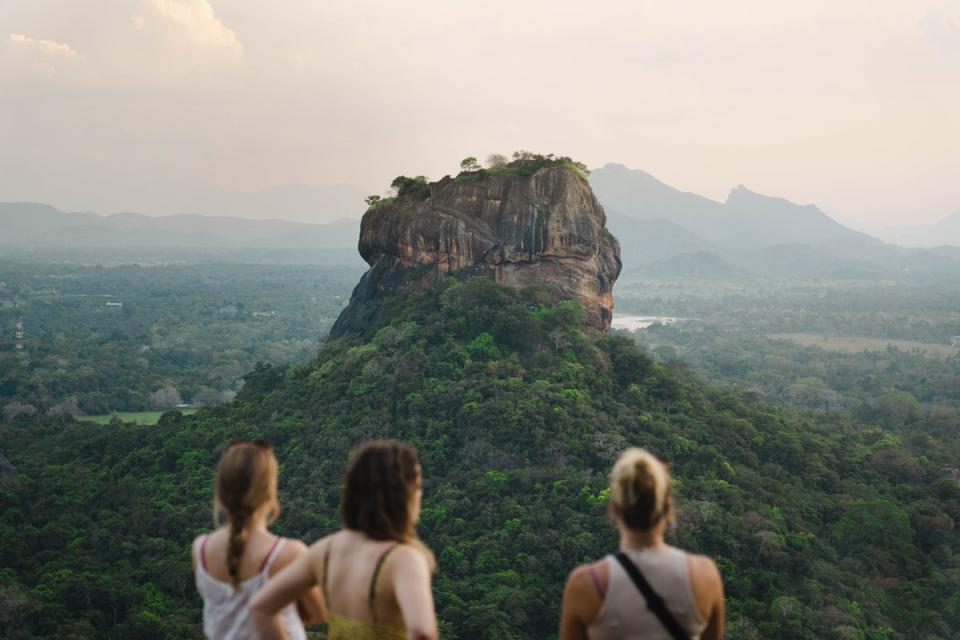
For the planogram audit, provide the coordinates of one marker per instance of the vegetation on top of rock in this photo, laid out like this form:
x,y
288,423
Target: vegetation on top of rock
x,y
404,188
524,163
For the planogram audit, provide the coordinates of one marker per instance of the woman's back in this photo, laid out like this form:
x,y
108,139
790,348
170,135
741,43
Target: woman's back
x,y
374,573
624,613
649,589
225,613
358,578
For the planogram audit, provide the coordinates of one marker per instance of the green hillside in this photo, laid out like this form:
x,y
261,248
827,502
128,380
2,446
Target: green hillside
x,y
518,414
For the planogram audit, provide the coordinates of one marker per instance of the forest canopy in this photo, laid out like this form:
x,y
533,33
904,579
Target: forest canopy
x,y
518,412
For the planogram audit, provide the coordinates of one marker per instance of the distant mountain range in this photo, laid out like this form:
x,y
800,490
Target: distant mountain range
x,y
294,202
38,227
666,231
942,233
662,231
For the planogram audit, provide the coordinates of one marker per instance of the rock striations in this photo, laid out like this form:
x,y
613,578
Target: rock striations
x,y
546,229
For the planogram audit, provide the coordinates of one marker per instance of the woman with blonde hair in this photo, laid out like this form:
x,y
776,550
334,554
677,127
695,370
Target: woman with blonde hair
x,y
374,573
648,589
234,562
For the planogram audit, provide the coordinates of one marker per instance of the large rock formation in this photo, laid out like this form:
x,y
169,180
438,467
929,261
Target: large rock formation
x,y
547,229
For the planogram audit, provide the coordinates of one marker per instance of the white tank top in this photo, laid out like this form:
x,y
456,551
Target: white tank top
x,y
624,614
225,614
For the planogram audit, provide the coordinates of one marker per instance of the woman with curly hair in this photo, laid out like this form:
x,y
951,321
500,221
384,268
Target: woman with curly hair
x,y
374,573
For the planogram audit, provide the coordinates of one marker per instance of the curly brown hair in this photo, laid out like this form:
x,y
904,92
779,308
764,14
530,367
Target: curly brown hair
x,y
378,490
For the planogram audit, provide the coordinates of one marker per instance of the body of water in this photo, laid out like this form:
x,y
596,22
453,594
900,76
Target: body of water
x,y
632,323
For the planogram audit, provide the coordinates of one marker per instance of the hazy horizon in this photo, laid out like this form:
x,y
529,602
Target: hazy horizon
x,y
145,105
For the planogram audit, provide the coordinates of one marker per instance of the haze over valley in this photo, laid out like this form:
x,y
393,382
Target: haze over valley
x,y
664,231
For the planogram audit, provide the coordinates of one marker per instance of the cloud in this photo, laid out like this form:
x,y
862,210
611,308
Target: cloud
x,y
942,25
46,47
43,56
199,21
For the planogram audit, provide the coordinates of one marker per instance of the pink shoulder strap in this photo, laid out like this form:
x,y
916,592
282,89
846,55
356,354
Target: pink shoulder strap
x,y
596,583
274,550
203,546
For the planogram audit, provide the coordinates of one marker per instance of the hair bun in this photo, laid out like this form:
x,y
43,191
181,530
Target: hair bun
x,y
640,488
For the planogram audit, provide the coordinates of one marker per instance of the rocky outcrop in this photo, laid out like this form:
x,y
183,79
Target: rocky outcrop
x,y
547,229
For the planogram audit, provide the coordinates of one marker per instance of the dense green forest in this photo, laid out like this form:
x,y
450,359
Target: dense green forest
x,y
837,524
132,338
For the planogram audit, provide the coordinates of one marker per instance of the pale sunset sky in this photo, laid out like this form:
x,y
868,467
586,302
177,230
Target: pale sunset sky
x,y
852,105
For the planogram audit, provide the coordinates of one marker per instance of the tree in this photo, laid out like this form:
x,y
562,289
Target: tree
x,y
67,406
469,164
373,200
898,408
13,410
165,397
207,396
497,160
879,523
416,188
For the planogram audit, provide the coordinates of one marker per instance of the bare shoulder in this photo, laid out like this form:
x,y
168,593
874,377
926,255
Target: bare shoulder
x,y
408,555
703,569
706,585
291,550
294,547
195,549
198,545
199,542
582,598
585,579
581,575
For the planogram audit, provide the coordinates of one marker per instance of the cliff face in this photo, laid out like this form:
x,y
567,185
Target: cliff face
x,y
546,229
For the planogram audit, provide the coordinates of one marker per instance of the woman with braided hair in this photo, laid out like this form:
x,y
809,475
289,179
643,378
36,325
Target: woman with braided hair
x,y
234,562
648,590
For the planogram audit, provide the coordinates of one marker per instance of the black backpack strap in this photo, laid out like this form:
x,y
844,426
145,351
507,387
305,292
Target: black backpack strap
x,y
654,601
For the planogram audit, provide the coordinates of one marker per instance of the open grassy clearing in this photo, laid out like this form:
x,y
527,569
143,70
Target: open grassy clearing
x,y
140,417
856,344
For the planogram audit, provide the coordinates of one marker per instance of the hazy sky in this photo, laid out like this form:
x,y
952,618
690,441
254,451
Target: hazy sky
x,y
853,105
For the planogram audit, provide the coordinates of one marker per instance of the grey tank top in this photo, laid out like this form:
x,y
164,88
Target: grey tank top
x,y
624,614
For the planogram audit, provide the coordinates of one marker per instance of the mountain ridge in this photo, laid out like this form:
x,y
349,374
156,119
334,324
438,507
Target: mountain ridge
x,y
944,232
42,226
744,230
655,221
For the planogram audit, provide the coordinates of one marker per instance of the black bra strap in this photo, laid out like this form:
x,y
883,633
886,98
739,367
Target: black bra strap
x,y
372,597
654,601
